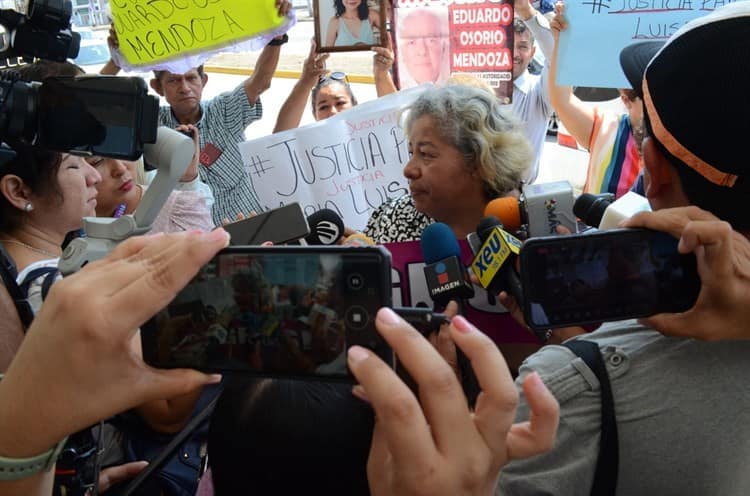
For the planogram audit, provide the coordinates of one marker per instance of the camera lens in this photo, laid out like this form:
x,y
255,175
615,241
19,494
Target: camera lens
x,y
355,281
357,317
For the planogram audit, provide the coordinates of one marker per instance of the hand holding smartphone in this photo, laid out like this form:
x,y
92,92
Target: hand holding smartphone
x,y
275,311
280,225
605,276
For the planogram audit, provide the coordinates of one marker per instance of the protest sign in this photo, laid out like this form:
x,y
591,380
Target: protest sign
x,y
350,163
484,311
589,52
155,30
438,38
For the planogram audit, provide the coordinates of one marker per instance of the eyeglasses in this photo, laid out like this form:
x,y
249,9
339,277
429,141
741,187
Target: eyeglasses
x,y
333,76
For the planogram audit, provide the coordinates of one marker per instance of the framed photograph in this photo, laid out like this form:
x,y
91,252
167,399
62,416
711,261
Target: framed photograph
x,y
349,25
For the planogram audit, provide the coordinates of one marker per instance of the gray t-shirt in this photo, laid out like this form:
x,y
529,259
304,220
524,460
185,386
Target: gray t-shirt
x,y
683,417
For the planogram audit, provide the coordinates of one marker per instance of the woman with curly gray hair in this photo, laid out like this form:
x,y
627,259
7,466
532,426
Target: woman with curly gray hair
x,y
466,149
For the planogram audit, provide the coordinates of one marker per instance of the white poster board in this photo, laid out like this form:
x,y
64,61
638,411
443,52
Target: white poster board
x,y
350,163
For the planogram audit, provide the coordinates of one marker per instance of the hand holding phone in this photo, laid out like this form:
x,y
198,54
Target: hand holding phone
x,y
275,311
605,276
280,225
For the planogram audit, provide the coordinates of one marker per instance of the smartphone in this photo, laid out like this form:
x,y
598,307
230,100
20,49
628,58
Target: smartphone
x,y
605,276
278,226
289,311
97,115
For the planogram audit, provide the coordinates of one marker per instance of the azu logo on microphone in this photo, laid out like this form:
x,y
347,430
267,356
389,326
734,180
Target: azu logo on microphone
x,y
328,232
492,255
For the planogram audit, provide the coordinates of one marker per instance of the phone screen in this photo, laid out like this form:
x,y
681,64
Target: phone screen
x,y
279,225
605,276
275,311
108,116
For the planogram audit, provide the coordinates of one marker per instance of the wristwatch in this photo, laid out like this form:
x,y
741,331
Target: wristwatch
x,y
275,42
18,468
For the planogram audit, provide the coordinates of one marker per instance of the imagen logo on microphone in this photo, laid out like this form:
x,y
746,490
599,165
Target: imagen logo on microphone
x,y
442,273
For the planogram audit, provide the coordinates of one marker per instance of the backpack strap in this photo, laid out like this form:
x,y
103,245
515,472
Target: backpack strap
x,y
49,274
605,477
8,273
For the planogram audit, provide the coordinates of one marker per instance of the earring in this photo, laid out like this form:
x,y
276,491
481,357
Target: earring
x,y
28,207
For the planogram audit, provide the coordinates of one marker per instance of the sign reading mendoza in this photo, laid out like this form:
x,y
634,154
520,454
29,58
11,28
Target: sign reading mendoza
x,y
437,38
350,163
155,30
589,52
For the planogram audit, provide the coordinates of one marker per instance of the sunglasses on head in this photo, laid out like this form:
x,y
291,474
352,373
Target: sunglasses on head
x,y
333,76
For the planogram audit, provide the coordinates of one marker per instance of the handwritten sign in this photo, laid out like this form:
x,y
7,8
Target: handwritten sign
x,y
350,163
484,311
152,30
589,52
438,38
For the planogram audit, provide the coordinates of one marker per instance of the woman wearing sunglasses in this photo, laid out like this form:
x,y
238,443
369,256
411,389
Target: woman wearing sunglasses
x,y
330,93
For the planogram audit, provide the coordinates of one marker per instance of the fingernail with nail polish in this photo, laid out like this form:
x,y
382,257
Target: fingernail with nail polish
x,y
388,316
461,324
357,354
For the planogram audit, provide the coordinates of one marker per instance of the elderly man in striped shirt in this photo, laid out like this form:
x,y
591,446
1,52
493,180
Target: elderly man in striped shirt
x,y
221,122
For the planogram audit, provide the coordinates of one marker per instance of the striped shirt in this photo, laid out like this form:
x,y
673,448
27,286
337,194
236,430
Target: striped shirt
x,y
222,124
614,161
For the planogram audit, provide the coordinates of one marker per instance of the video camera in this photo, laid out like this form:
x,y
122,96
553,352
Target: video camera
x,y
89,115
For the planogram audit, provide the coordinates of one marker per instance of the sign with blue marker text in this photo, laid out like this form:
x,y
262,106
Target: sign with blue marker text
x,y
589,52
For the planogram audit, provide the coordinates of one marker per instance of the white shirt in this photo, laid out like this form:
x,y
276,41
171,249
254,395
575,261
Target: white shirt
x,y
531,101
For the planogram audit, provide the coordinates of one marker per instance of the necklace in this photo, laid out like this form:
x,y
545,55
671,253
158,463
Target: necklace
x,y
32,248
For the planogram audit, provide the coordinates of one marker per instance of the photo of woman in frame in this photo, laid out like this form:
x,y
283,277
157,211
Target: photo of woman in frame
x,y
348,25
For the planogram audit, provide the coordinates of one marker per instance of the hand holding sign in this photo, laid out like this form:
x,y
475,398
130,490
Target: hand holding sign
x,y
161,29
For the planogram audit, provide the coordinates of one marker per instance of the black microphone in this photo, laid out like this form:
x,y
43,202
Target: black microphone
x,y
604,212
494,260
590,208
326,228
446,275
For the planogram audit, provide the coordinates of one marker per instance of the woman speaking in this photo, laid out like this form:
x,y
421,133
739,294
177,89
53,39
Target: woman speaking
x,y
466,149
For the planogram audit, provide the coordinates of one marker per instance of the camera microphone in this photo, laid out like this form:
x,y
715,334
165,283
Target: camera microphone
x,y
326,228
444,271
538,211
601,212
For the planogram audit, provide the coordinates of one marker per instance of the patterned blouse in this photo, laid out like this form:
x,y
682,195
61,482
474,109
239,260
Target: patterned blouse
x,y
397,220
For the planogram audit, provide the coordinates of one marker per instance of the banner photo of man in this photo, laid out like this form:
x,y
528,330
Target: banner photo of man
x,y
435,39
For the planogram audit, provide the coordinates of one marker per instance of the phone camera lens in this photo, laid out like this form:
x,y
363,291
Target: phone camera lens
x,y
357,317
355,281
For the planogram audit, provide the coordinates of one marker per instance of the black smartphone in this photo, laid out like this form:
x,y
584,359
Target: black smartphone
x,y
279,226
289,311
98,115
605,276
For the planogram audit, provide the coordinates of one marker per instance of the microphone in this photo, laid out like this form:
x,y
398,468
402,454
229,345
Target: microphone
x,y
326,228
444,272
601,212
448,280
538,211
494,261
